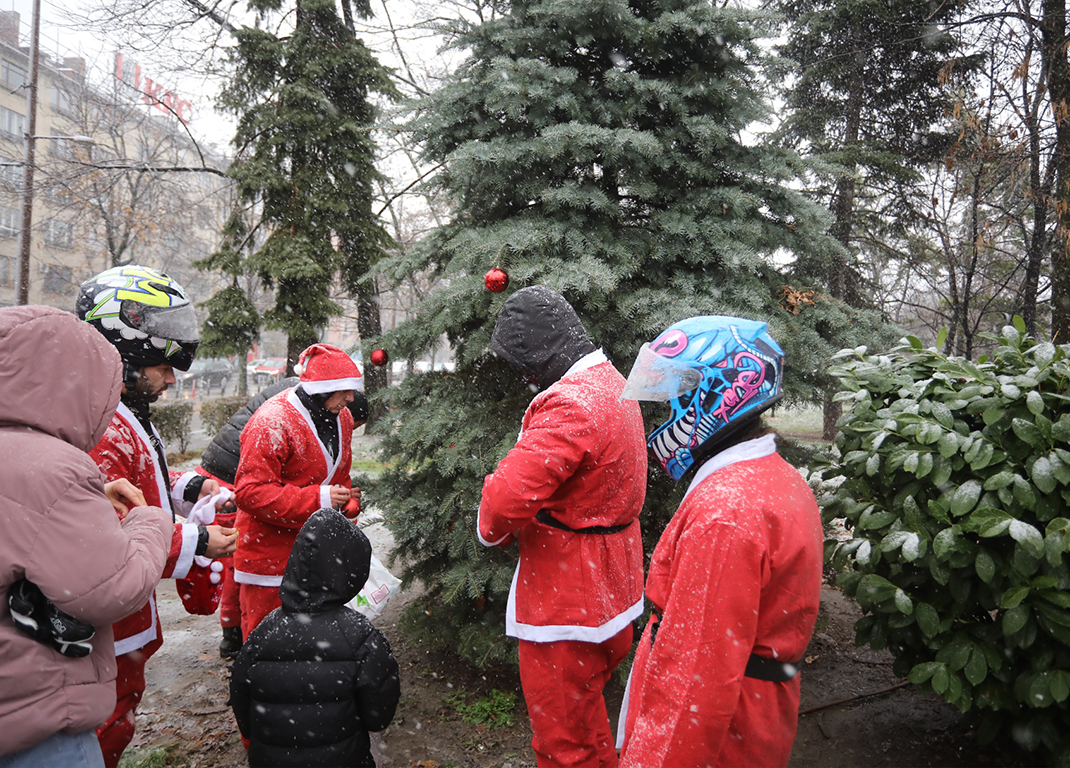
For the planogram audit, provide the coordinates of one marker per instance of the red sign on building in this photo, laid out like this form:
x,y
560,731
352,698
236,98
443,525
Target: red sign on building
x,y
153,93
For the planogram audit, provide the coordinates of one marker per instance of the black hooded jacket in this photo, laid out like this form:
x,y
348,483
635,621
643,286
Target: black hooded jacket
x,y
315,677
540,335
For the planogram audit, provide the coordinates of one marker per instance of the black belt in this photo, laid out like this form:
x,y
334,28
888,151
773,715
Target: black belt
x,y
544,517
758,667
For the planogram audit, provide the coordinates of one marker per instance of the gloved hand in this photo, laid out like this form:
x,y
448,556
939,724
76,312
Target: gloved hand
x,y
38,617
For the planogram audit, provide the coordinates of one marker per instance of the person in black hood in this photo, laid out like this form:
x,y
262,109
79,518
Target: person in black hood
x,y
315,676
540,335
570,493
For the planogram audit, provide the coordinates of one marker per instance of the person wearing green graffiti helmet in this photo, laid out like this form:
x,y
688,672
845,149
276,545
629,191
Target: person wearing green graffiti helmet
x,y
149,319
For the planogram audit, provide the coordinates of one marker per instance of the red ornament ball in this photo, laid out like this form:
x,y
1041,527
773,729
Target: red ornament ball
x,y
496,280
379,357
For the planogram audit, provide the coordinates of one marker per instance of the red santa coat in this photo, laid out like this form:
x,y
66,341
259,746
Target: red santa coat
x,y
284,476
737,570
126,452
581,457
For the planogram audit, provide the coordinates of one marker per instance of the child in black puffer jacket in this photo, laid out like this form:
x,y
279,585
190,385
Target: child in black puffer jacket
x,y
315,677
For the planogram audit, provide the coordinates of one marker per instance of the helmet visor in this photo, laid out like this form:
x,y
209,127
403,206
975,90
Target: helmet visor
x,y
171,323
658,378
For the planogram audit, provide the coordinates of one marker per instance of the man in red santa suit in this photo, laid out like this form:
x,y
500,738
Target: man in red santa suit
x,y
570,493
220,462
296,453
149,319
735,580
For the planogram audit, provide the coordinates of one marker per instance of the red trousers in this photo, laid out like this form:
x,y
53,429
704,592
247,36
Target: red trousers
x,y
118,730
256,603
563,683
229,603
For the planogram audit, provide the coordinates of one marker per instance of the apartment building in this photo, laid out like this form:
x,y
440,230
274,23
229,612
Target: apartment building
x,y
114,176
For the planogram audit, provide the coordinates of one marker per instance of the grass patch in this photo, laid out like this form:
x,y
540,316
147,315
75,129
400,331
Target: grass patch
x,y
493,711
154,757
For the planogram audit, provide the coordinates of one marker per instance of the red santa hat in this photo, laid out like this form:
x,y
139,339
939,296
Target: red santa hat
x,y
326,368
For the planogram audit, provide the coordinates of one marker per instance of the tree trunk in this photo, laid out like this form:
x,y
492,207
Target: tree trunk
x,y
370,326
295,345
1053,30
843,210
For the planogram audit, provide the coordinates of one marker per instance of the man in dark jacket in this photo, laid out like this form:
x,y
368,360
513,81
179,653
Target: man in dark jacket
x,y
315,676
570,492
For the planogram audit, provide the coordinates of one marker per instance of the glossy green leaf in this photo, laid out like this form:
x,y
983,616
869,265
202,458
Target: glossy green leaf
x,y
1028,433
1059,685
1013,597
922,672
1027,535
928,619
1015,619
985,566
976,668
1043,476
965,497
999,480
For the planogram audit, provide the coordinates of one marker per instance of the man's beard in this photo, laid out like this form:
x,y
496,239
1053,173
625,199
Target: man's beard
x,y
145,392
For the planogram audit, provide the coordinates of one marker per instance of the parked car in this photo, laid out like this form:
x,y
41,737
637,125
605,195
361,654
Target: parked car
x,y
206,373
270,370
250,367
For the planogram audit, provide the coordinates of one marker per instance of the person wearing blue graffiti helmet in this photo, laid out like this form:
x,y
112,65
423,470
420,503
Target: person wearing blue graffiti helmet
x,y
734,583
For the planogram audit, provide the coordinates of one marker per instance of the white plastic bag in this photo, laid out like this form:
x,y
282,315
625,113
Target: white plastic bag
x,y
378,589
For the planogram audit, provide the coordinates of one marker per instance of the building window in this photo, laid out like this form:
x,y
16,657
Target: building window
x,y
59,234
58,279
12,123
61,148
9,222
6,270
63,101
11,173
12,76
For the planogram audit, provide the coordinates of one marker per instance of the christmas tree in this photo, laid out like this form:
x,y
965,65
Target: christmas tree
x,y
305,157
599,147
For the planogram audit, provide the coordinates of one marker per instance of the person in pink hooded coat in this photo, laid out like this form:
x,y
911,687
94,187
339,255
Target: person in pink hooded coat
x,y
735,579
61,543
149,319
570,492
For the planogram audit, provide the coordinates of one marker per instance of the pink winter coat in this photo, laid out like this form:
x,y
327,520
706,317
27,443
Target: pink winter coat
x,y
59,385
737,571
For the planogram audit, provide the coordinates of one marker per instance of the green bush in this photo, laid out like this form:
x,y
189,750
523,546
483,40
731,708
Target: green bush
x,y
174,422
216,412
953,480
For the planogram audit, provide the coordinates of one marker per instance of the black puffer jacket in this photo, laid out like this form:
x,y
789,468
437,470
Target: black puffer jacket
x,y
222,454
315,676
540,335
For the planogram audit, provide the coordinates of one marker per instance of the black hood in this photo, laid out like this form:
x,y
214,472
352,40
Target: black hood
x,y
540,335
328,565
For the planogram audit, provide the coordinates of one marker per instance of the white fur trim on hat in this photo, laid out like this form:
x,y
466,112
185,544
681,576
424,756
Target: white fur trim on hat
x,y
326,368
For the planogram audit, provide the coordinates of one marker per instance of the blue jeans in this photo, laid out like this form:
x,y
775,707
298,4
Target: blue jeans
x,y
80,750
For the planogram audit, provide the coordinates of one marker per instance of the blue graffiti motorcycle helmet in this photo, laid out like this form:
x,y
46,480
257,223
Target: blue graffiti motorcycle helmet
x,y
717,373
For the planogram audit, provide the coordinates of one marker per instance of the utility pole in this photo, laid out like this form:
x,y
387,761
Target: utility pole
x,y
23,286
